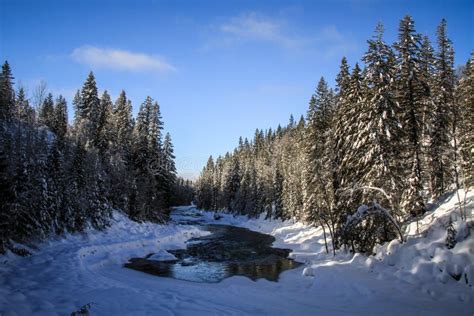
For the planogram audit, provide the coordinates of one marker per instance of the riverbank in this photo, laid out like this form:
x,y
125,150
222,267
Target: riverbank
x,y
63,275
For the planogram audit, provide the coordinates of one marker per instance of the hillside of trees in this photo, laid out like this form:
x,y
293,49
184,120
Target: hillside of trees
x,y
56,177
393,135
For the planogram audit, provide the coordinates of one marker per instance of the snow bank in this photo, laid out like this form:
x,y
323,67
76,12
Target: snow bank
x,y
48,281
425,257
423,262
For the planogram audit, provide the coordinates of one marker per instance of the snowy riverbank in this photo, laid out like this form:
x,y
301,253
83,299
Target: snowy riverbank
x,y
410,279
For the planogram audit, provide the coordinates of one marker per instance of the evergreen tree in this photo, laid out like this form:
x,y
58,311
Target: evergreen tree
x,y
410,93
103,132
232,183
7,94
348,153
379,129
338,130
63,183
205,185
440,147
123,123
319,196
88,109
464,121
60,118
46,114
78,108
24,112
277,205
169,168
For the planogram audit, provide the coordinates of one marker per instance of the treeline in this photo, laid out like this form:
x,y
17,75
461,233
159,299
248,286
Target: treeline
x,y
391,136
55,177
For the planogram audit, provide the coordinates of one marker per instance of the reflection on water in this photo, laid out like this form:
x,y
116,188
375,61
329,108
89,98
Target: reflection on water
x,y
227,251
210,272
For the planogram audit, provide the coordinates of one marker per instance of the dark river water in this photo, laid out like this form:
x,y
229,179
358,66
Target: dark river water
x,y
227,251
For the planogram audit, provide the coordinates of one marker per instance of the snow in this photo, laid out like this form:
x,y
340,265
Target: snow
x,y
162,255
410,278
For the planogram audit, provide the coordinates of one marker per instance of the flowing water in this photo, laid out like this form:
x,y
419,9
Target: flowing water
x,y
227,251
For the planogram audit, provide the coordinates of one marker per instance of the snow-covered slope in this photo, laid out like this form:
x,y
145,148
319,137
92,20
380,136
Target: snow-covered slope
x,y
413,278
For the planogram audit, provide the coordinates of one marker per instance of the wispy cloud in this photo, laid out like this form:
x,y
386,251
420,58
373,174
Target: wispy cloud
x,y
118,59
254,27
335,43
328,41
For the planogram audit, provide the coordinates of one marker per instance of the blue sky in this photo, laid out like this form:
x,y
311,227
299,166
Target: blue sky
x,y
219,69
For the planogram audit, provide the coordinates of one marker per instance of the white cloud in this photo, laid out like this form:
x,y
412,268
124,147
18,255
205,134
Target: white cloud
x,y
120,59
335,43
327,42
252,26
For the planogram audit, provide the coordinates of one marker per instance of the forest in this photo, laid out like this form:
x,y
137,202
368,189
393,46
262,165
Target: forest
x,y
394,134
59,177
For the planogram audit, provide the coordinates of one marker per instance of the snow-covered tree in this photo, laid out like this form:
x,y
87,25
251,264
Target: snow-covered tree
x,y
410,93
7,93
46,113
379,129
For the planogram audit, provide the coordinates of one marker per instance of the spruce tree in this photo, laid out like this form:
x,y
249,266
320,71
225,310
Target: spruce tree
x,y
465,122
123,123
88,109
204,186
341,109
379,129
410,93
24,112
277,183
78,108
7,94
60,118
169,168
348,154
441,151
46,114
103,132
319,196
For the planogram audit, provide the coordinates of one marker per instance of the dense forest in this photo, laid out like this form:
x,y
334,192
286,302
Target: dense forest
x,y
393,135
58,177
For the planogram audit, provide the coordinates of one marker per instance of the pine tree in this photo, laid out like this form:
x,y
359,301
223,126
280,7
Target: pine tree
x,y
24,112
60,118
7,94
379,129
232,182
348,153
440,147
78,185
410,93
427,109
319,196
465,122
123,123
78,108
88,109
277,205
155,139
46,114
204,186
6,191
103,132
169,168
338,130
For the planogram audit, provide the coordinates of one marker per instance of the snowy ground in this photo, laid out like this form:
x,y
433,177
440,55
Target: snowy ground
x,y
409,279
